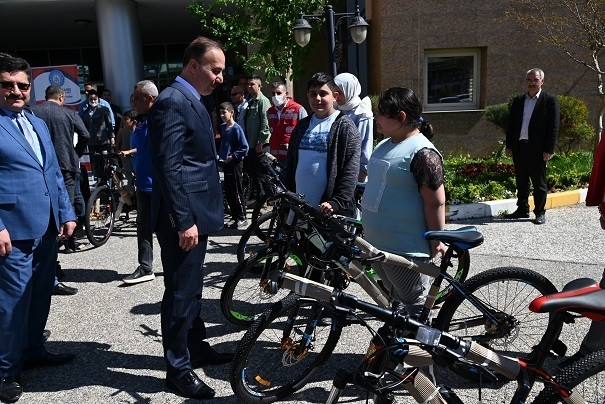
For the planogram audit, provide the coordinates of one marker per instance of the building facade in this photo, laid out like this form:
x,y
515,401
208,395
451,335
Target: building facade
x,y
462,58
459,57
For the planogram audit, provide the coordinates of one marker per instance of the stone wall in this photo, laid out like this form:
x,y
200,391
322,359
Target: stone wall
x,y
465,133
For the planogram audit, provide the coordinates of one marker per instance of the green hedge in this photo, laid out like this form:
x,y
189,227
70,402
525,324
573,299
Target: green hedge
x,y
471,180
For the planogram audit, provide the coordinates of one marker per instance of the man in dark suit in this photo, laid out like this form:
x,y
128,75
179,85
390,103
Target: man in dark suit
x,y
187,205
34,210
533,125
62,123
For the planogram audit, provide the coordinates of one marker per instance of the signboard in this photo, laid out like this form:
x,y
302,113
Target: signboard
x,y
65,76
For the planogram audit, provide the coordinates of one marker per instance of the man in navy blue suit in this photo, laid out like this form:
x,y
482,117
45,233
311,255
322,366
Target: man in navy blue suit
x,y
34,210
187,205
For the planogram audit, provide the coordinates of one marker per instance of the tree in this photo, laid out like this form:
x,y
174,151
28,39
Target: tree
x,y
575,26
265,23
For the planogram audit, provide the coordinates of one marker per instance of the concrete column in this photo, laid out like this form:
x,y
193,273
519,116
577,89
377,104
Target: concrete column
x,y
121,49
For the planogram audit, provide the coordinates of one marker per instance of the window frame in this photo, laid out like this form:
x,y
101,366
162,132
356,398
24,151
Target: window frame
x,y
476,77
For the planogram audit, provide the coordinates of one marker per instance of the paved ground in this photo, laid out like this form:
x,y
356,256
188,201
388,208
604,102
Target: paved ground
x,y
114,330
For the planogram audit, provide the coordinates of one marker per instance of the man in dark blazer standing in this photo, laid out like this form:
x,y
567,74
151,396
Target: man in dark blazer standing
x,y
62,123
533,126
187,205
34,210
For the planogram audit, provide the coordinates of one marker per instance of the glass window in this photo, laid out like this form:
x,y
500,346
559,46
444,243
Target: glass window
x,y
451,79
59,57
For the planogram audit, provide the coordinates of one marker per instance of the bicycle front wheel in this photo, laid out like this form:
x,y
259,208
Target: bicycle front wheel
x,y
504,294
585,376
278,354
245,294
256,235
99,217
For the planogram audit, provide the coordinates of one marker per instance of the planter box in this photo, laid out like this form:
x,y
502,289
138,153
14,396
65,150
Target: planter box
x,y
497,208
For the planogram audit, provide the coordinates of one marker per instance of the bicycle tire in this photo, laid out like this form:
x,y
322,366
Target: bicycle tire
x,y
100,215
256,235
263,368
507,292
462,262
247,188
244,296
586,376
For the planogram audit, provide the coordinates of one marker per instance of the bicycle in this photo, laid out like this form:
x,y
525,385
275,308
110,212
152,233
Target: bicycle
x,y
391,365
264,228
308,345
244,294
107,201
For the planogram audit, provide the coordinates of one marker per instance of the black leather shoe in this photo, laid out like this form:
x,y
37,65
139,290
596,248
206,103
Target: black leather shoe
x,y
540,219
51,359
45,334
64,290
191,386
211,358
517,214
10,389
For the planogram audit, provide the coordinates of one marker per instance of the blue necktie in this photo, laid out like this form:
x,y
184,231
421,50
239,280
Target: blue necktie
x,y
30,135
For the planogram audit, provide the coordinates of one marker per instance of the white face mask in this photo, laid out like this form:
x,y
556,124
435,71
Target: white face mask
x,y
278,100
93,103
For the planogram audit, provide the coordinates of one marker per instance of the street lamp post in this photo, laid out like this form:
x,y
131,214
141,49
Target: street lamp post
x,y
358,30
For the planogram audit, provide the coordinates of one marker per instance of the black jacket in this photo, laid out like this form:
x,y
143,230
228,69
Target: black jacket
x,y
62,123
543,125
344,150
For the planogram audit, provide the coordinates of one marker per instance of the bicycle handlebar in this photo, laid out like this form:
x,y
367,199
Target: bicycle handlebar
x,y
428,336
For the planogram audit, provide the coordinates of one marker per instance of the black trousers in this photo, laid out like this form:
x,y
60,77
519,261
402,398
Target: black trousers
x,y
183,329
530,167
255,165
234,190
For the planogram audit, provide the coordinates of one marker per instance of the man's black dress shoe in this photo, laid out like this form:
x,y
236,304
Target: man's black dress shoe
x,y
191,386
540,219
210,357
64,290
10,389
51,359
517,214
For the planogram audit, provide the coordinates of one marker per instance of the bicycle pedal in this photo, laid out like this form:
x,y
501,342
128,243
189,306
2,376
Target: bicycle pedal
x,y
559,348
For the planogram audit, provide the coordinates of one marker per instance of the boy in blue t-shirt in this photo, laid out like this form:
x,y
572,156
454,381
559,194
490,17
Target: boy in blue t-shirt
x,y
233,149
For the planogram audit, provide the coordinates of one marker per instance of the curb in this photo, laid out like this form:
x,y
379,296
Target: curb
x,y
498,208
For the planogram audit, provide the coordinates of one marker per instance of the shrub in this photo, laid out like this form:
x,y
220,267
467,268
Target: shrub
x,y
472,180
574,133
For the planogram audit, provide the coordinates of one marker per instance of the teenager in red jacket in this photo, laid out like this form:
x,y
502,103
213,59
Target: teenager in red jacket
x,y
283,116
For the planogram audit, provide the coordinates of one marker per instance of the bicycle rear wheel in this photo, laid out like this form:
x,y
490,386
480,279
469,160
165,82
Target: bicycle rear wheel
x,y
99,217
585,376
278,354
245,296
506,293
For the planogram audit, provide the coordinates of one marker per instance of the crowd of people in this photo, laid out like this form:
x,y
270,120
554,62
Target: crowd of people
x,y
168,143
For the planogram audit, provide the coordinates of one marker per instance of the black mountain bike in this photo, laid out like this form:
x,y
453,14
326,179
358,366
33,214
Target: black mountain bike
x,y
262,371
107,201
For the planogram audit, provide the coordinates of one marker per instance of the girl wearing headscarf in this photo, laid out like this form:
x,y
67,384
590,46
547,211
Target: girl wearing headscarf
x,y
360,112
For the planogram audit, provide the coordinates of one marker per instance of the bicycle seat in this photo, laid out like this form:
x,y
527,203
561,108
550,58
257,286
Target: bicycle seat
x,y
464,238
583,296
